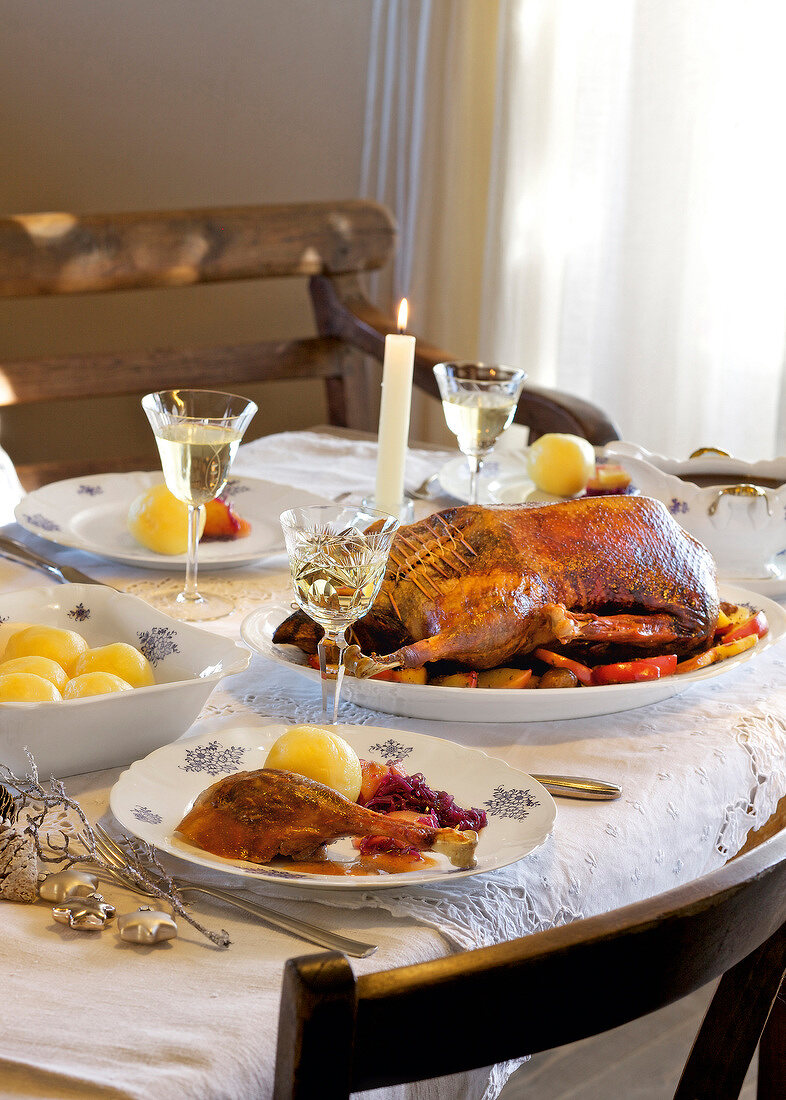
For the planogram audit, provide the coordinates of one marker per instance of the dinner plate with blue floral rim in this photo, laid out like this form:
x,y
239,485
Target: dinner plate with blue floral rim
x,y
152,797
90,513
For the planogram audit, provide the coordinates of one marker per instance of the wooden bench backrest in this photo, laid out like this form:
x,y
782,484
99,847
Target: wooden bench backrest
x,y
332,245
64,254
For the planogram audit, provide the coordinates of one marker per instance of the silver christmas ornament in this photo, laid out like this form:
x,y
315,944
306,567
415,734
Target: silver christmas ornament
x,y
146,926
88,914
68,884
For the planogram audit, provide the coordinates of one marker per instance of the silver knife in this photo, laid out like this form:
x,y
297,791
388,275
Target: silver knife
x,y
579,786
17,551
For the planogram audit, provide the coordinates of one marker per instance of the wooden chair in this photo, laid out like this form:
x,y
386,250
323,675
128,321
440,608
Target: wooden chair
x,y
332,244
339,1034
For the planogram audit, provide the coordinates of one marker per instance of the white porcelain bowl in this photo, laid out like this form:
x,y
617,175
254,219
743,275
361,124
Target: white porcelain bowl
x,y
737,509
105,731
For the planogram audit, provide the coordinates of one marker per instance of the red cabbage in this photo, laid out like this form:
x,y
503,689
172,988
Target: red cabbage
x,y
370,845
411,792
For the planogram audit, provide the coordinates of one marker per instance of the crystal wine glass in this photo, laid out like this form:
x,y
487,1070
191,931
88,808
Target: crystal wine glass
x,y
337,559
198,433
479,402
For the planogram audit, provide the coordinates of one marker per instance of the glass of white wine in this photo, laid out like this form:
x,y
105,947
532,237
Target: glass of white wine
x,y
479,401
337,560
198,433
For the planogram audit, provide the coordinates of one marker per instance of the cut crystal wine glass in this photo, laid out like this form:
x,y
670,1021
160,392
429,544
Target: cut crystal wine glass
x,y
337,560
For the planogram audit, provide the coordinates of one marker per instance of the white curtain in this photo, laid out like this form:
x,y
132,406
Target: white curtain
x,y
625,169
427,155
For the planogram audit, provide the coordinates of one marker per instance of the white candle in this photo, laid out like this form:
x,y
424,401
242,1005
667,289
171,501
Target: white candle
x,y
394,416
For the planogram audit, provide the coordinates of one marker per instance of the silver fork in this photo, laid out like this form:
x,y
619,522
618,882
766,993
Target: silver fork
x,y
427,490
117,858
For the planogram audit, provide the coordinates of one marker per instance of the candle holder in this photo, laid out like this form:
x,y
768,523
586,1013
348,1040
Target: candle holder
x,y
405,514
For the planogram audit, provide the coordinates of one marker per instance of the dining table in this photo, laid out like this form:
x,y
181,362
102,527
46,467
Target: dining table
x,y
91,1015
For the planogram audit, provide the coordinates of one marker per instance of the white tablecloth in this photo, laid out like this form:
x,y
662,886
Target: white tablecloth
x,y
87,1015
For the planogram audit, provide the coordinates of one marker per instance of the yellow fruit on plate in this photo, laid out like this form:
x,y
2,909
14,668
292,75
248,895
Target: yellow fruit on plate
x,y
63,646
318,754
159,521
24,687
561,464
39,666
94,683
121,659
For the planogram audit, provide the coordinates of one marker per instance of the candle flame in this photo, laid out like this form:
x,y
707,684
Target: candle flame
x,y
403,310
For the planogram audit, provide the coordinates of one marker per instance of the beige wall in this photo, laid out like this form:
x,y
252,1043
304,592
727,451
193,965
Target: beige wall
x,y
143,104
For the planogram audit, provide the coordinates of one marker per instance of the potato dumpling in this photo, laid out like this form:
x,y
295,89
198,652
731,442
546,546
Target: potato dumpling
x,y
318,754
7,629
24,687
63,646
38,666
119,658
561,464
94,683
159,521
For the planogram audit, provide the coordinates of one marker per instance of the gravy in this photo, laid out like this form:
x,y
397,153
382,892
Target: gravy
x,y
377,863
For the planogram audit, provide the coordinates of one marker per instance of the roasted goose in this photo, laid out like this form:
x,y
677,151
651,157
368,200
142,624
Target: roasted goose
x,y
262,814
480,586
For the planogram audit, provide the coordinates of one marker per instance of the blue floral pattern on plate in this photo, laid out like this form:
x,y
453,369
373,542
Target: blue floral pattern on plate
x,y
143,813
234,487
514,804
80,613
213,759
44,522
157,643
391,750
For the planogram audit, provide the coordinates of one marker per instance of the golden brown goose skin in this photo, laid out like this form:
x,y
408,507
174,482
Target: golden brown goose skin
x,y
258,815
480,585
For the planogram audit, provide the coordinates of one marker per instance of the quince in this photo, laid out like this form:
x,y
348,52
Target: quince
x,y
159,521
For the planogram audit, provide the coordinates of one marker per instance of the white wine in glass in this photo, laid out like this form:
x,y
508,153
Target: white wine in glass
x,y
198,433
337,561
479,402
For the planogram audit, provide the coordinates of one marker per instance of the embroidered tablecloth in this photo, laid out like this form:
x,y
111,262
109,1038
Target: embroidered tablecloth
x,y
87,1015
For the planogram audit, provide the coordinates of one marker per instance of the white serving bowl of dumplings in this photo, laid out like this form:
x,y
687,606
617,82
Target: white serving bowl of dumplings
x,y
105,731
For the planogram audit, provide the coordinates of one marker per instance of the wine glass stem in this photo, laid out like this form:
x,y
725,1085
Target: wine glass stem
x,y
341,642
190,590
324,647
475,463
322,653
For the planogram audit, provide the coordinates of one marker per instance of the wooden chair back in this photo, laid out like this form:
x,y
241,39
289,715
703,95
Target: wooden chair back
x,y
333,245
555,987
